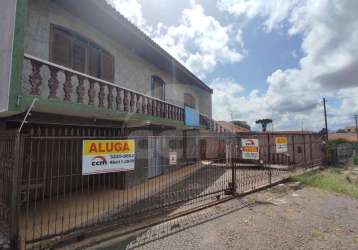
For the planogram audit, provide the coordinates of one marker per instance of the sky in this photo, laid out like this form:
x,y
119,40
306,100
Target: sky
x,y
263,59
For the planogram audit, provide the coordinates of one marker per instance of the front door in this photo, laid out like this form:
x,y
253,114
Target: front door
x,y
155,159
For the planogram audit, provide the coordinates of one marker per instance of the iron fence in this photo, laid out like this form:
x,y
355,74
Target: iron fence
x,y
55,201
341,153
7,144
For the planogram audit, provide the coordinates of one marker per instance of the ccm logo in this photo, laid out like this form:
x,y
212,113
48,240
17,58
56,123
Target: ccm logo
x,y
98,161
250,143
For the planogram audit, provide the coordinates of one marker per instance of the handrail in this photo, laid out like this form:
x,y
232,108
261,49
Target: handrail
x,y
160,107
31,57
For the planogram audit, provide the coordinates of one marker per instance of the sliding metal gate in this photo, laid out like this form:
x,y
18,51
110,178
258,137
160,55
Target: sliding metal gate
x,y
45,199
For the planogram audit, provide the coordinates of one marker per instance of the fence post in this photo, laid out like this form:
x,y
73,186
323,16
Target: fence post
x,y
233,172
268,149
311,162
270,175
304,150
15,205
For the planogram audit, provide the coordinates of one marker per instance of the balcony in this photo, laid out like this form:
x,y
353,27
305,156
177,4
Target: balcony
x,y
66,91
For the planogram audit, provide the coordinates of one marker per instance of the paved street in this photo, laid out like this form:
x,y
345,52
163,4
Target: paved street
x,y
279,218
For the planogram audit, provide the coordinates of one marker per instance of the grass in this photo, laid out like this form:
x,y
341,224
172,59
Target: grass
x,y
333,180
355,160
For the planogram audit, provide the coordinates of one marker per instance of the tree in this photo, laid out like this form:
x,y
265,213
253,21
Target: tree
x,y
323,132
264,123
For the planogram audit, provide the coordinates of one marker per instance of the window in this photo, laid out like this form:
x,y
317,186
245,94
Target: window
x,y
74,51
158,88
189,100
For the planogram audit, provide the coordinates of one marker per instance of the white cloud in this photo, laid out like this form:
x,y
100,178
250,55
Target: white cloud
x,y
131,9
227,91
328,67
229,102
329,64
274,11
200,41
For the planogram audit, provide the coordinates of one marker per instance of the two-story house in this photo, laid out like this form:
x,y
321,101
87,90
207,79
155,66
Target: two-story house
x,y
91,69
86,62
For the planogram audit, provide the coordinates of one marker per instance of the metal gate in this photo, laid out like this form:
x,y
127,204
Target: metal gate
x,y
45,199
344,152
10,157
155,159
58,202
6,173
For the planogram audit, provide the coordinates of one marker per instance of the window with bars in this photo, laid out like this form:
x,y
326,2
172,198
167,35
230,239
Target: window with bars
x,y
158,88
189,101
74,51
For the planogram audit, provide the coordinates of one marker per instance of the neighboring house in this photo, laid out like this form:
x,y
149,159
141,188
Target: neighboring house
x,y
93,70
232,127
82,59
302,146
348,134
350,129
351,137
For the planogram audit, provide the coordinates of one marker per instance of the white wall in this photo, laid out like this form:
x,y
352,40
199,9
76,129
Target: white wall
x,y
131,71
7,25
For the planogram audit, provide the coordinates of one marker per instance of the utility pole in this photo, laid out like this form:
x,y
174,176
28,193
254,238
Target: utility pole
x,y
356,118
231,123
325,117
302,125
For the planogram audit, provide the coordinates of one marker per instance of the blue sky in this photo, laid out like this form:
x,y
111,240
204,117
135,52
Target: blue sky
x,y
267,51
264,59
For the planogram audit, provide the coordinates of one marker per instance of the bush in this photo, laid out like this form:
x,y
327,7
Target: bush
x,y
334,143
331,180
355,160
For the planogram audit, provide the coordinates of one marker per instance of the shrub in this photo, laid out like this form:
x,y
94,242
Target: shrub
x,y
334,143
355,160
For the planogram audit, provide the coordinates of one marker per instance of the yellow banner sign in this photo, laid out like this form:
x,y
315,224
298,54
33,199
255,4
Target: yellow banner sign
x,y
95,147
281,144
104,156
281,140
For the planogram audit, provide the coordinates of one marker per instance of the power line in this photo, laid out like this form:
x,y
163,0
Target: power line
x,y
356,118
325,117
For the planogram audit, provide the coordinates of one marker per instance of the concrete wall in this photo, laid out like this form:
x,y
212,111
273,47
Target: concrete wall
x,y
131,71
302,148
7,26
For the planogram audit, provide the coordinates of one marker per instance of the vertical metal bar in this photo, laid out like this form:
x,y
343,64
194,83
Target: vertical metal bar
x,y
58,163
233,173
72,175
293,150
29,172
51,158
15,202
77,154
44,179
268,149
304,149
310,141
36,182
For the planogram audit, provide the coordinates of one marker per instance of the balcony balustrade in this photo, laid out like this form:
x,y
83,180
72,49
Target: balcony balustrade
x,y
52,81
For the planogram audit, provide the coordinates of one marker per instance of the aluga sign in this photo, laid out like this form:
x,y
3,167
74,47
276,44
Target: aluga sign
x,y
281,144
250,149
105,156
